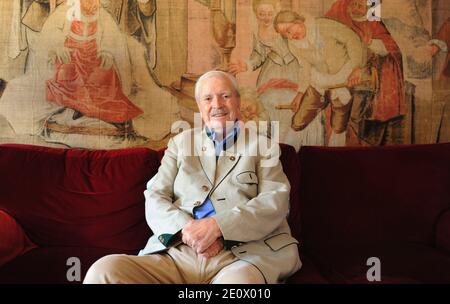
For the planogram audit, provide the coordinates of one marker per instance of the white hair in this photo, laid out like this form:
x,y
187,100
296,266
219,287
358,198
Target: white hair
x,y
210,74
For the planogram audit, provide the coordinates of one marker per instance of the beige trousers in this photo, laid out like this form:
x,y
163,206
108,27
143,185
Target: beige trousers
x,y
179,265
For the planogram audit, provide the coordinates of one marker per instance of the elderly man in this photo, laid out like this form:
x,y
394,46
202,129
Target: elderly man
x,y
218,214
335,57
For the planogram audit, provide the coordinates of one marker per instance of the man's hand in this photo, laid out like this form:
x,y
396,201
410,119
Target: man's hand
x,y
201,234
214,249
355,78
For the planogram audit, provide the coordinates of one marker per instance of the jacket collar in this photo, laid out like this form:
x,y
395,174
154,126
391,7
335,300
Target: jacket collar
x,y
216,171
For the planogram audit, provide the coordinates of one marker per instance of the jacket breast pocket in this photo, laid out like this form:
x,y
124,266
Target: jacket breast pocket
x,y
280,241
247,177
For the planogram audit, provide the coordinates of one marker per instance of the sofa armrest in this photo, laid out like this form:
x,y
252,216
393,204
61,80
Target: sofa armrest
x,y
13,240
443,232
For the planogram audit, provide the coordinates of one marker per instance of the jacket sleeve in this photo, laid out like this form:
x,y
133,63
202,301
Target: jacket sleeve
x,y
163,217
261,215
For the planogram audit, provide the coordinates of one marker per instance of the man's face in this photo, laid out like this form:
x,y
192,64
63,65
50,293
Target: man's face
x,y
359,8
292,31
89,7
265,14
218,103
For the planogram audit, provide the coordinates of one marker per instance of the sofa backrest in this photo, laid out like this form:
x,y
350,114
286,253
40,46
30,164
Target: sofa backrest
x,y
78,197
290,163
361,195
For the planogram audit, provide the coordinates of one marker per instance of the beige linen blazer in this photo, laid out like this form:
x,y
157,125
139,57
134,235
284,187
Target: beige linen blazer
x,y
247,187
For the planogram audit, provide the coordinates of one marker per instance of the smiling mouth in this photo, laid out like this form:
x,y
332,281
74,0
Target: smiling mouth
x,y
219,115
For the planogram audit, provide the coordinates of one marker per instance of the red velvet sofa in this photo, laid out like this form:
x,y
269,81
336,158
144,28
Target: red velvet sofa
x,y
347,205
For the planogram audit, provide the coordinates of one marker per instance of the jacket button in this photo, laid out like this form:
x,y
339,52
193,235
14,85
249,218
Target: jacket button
x,y
232,158
161,238
197,203
205,188
203,149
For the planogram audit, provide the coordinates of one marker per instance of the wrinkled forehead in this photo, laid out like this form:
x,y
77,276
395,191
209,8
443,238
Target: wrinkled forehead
x,y
217,84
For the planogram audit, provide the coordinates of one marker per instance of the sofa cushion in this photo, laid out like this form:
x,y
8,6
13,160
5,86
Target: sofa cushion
x,y
78,197
443,232
13,240
382,194
49,265
400,262
308,274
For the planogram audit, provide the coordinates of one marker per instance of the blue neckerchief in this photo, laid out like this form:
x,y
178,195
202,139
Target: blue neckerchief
x,y
227,142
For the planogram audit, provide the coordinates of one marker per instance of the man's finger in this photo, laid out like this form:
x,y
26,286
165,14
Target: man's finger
x,y
185,239
202,246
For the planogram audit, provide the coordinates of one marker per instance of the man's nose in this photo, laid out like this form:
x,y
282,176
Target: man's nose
x,y
217,102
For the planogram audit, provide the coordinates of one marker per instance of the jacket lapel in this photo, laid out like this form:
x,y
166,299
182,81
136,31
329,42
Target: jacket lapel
x,y
206,154
227,161
229,158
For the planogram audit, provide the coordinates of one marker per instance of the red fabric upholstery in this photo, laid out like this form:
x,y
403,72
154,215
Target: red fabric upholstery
x,y
308,274
400,263
77,197
390,194
49,265
347,205
356,203
443,232
13,240
290,163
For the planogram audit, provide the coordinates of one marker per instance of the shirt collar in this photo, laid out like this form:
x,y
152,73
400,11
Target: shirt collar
x,y
228,141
